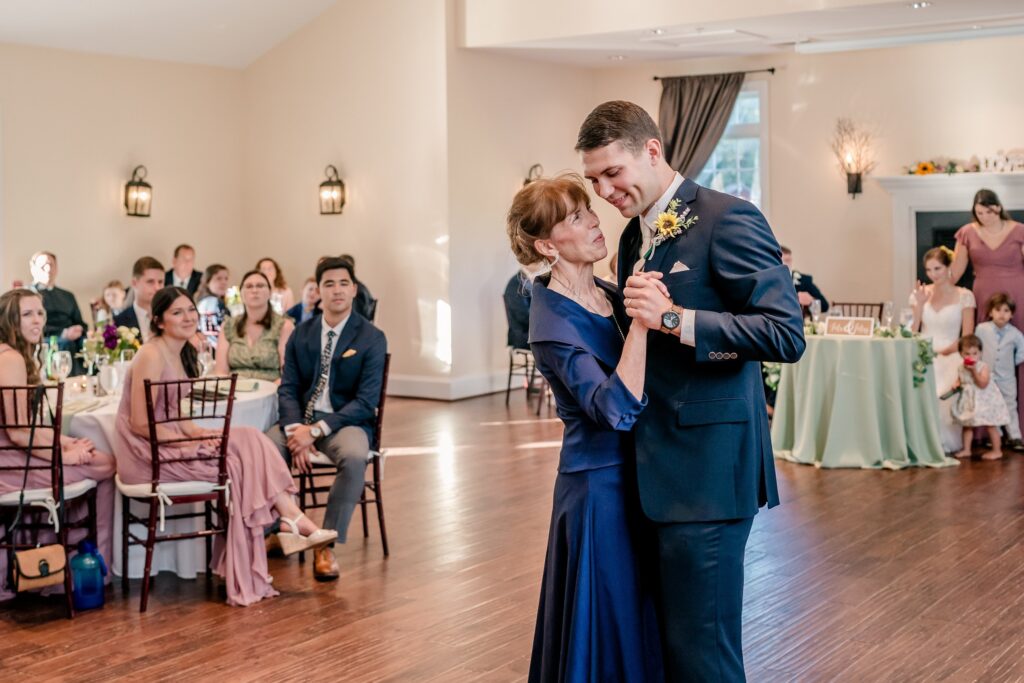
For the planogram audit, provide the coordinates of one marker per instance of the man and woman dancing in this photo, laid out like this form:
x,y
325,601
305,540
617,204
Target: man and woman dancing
x,y
666,455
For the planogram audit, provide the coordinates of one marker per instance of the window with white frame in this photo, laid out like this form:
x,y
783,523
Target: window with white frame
x,y
739,164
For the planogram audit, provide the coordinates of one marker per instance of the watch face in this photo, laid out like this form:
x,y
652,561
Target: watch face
x,y
670,320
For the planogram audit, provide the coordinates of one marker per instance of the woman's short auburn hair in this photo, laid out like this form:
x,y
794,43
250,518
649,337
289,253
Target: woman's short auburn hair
x,y
539,207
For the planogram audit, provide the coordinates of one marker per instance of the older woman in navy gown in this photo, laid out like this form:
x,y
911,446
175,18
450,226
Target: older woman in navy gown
x,y
595,622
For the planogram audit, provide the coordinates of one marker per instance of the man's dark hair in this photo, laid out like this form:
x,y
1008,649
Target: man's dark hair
x,y
333,263
785,250
145,263
178,249
626,122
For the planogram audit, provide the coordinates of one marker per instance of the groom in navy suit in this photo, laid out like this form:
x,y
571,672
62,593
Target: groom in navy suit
x,y
723,303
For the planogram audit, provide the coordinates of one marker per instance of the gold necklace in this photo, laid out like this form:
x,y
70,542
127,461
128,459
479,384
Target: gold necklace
x,y
576,297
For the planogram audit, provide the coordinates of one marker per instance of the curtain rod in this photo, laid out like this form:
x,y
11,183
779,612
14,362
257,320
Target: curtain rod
x,y
769,70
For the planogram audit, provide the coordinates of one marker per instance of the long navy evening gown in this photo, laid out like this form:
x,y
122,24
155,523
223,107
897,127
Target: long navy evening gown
x,y
595,622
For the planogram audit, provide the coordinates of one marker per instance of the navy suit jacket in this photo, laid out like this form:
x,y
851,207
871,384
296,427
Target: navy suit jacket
x,y
127,318
703,446
806,284
355,380
193,280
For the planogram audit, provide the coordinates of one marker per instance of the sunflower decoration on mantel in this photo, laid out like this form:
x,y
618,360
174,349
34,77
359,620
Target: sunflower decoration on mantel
x,y
944,165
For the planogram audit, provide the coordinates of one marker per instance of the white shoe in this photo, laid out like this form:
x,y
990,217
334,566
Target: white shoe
x,y
294,542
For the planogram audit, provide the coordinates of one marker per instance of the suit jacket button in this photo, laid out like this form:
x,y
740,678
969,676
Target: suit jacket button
x,y
733,355
711,355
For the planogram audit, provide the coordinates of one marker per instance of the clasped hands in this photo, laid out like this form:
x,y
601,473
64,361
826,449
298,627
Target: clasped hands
x,y
300,444
646,299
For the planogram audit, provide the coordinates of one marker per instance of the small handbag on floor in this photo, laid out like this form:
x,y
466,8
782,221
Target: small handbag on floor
x,y
44,565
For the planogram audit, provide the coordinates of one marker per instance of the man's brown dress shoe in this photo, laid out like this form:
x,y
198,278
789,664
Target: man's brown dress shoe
x,y
325,566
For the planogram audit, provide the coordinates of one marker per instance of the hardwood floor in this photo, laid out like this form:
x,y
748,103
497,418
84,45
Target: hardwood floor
x,y
859,576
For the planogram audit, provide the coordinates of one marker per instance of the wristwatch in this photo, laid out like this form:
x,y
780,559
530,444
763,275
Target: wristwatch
x,y
315,432
670,319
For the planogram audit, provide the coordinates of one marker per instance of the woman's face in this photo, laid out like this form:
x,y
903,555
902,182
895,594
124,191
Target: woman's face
x,y
578,238
988,216
114,297
33,318
310,295
936,270
181,320
219,283
255,292
267,268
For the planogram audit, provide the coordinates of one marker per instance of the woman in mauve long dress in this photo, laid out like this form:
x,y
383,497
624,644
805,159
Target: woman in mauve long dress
x,y
994,245
261,483
21,328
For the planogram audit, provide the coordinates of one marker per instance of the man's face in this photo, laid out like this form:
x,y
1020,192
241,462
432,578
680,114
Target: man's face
x,y
184,262
787,260
43,268
147,285
627,181
337,291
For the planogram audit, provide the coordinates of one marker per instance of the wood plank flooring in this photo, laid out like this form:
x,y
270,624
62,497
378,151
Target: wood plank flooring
x,y
859,576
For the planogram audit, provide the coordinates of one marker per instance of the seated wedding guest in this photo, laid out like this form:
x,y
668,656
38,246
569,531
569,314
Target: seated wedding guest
x,y
110,303
943,313
63,318
806,290
979,403
1004,351
517,296
307,307
253,344
22,318
364,304
183,273
330,389
261,485
281,297
147,274
210,301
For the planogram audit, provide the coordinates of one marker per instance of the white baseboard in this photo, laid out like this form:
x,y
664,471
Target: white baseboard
x,y
453,389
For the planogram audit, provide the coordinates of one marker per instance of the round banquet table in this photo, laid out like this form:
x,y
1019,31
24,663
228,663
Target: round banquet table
x,y
851,402
256,408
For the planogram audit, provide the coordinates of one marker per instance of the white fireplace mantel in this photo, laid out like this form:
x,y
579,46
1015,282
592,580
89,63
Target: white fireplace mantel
x,y
912,194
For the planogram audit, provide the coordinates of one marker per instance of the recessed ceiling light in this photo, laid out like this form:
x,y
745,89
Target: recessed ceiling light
x,y
617,58
920,5
658,31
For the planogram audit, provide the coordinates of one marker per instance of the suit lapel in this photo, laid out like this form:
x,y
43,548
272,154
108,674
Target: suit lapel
x,y
629,250
686,194
348,333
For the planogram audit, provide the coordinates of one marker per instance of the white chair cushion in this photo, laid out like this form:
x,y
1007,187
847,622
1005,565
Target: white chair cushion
x,y
71,491
171,488
321,459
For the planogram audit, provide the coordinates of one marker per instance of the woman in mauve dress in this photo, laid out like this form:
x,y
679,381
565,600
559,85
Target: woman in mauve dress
x,y
994,245
21,328
261,483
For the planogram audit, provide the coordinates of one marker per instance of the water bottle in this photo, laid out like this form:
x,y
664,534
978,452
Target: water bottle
x,y
52,349
87,572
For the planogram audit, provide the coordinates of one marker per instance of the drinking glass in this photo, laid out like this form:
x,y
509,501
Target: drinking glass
x,y
887,312
61,365
109,379
815,311
127,355
906,317
205,358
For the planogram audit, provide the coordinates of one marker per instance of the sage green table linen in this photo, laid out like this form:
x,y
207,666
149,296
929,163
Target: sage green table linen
x,y
851,402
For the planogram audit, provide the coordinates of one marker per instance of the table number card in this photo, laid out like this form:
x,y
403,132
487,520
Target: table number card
x,y
850,327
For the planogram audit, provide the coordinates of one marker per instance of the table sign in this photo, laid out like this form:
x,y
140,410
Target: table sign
x,y
837,326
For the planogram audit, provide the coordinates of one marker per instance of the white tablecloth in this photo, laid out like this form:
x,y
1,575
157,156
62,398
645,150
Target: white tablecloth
x,y
256,408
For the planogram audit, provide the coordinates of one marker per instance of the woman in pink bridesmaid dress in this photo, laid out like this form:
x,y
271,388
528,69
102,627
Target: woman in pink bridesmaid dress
x,y
994,245
261,483
21,328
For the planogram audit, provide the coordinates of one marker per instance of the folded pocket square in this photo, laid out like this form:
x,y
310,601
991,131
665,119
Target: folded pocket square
x,y
678,267
349,353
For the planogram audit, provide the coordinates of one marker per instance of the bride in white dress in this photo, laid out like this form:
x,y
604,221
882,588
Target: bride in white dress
x,y
944,313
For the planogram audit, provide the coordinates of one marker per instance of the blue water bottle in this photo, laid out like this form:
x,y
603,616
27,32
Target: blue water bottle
x,y
87,572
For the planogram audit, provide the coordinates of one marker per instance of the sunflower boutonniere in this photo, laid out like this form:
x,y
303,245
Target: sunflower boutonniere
x,y
670,224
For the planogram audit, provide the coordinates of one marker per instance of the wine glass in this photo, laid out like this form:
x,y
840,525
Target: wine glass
x,y
61,365
887,313
815,311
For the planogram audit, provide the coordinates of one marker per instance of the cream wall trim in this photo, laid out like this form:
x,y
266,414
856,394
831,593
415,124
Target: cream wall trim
x,y
420,386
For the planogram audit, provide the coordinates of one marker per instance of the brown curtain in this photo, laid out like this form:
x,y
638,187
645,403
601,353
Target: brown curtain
x,y
693,114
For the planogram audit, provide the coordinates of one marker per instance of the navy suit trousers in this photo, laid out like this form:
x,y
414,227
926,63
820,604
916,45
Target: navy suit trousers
x,y
701,579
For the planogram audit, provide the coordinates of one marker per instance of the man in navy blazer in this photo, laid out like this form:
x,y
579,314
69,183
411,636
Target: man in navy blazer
x,y
724,303
183,273
806,289
147,278
328,398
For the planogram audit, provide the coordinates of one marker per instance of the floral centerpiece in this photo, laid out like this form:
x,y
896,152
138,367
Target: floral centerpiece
x,y
110,341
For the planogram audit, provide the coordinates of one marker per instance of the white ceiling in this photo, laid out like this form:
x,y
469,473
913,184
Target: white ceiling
x,y
229,33
848,28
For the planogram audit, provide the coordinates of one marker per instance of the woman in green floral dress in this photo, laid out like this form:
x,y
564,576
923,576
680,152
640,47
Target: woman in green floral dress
x,y
253,343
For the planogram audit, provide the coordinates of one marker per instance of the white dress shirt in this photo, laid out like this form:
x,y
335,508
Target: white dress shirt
x,y
180,282
323,403
143,315
687,322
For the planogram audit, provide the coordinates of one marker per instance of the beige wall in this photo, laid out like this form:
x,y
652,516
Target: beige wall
x,y
928,100
72,128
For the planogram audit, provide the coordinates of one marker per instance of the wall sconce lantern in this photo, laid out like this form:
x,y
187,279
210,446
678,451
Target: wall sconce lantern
x,y
851,146
332,192
138,194
535,173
